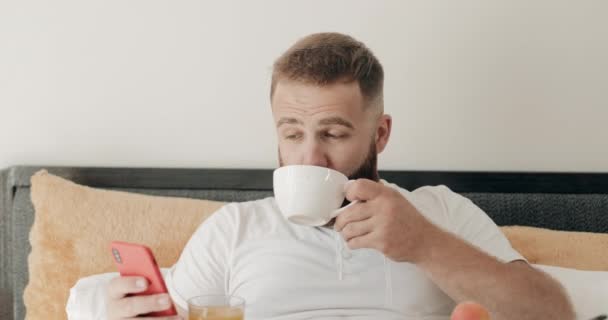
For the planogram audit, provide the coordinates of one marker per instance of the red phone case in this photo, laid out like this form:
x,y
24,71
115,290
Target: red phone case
x,y
133,259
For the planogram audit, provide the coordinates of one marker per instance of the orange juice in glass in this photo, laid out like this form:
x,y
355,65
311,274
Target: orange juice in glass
x,y
216,307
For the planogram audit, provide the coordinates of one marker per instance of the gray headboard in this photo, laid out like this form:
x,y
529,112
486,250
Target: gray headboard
x,y
561,201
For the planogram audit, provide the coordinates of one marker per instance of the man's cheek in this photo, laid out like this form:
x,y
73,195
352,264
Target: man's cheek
x,y
342,162
287,155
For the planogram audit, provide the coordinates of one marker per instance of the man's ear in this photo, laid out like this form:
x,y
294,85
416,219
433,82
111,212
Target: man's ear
x,y
383,131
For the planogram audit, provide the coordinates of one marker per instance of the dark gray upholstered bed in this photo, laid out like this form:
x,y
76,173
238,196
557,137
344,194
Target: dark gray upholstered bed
x,y
561,201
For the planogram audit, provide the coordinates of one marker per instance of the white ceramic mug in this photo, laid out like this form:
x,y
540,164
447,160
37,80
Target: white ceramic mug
x,y
309,195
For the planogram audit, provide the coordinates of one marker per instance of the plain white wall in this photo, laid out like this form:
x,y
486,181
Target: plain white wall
x,y
472,85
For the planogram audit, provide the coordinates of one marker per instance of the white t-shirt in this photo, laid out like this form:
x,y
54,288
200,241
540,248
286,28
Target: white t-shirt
x,y
286,271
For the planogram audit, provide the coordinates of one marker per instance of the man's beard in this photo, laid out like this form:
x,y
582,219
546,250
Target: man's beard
x,y
367,170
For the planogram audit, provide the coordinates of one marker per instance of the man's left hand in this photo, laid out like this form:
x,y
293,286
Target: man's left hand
x,y
383,220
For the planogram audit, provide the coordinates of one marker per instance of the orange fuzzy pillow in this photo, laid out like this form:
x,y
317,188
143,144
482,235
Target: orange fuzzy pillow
x,y
567,249
74,226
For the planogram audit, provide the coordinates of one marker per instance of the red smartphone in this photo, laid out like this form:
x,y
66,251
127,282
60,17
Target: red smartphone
x,y
133,259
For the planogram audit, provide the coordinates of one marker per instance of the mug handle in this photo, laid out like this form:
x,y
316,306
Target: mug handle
x,y
338,211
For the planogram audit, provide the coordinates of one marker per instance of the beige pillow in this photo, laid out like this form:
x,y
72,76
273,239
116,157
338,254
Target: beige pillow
x,y
567,249
74,226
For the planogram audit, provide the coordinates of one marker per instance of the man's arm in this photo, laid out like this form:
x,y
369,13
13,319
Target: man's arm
x,y
512,290
386,221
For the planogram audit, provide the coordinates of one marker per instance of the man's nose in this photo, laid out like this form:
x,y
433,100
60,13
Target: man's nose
x,y
314,155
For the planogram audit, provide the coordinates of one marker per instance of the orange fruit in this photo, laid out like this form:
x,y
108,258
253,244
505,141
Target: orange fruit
x,y
470,311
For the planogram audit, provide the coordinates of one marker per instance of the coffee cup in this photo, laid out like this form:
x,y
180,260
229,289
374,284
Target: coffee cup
x,y
309,195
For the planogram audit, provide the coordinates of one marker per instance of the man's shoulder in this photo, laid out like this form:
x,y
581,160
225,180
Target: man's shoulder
x,y
434,193
245,211
252,206
437,203
248,219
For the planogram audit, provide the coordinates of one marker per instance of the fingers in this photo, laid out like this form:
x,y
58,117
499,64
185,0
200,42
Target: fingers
x,y
364,241
121,307
362,190
133,306
357,229
356,212
122,286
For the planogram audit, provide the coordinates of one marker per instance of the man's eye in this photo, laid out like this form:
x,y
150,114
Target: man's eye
x,y
293,136
334,136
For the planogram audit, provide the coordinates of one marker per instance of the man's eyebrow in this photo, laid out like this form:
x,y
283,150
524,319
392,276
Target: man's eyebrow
x,y
284,120
336,120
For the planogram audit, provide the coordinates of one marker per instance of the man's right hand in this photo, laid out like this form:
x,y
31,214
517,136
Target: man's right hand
x,y
119,306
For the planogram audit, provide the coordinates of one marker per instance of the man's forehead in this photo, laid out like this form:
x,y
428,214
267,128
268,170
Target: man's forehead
x,y
297,95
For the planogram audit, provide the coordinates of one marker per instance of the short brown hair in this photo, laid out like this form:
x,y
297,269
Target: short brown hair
x,y
326,58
